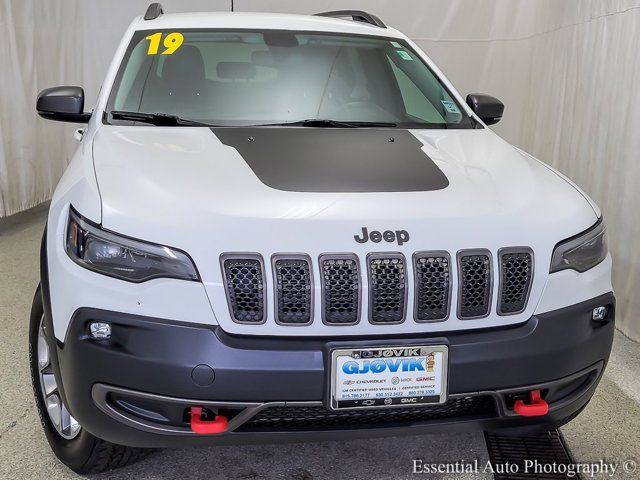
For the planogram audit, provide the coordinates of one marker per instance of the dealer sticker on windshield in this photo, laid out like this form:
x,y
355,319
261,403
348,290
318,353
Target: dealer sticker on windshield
x,y
388,376
450,106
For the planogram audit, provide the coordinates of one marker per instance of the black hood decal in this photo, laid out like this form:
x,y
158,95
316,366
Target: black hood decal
x,y
304,159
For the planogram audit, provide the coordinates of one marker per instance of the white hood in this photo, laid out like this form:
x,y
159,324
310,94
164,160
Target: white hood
x,y
184,188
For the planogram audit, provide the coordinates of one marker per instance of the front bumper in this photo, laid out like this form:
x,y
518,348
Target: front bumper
x,y
136,388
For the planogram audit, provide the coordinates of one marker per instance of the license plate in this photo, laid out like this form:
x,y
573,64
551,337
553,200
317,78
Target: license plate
x,y
381,377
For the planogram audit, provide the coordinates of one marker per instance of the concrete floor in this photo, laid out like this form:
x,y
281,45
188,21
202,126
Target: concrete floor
x,y
609,428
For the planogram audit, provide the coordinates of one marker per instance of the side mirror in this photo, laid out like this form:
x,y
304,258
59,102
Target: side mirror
x,y
488,108
64,104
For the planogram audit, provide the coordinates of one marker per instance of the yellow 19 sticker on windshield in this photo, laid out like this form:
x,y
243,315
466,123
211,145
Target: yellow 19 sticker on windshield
x,y
171,42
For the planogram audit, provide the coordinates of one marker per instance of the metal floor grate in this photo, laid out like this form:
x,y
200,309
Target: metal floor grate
x,y
545,448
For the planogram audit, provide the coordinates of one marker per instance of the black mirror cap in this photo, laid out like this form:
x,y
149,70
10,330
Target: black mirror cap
x,y
64,104
488,108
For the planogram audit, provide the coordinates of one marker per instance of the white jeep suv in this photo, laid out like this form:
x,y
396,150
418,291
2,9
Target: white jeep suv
x,y
293,227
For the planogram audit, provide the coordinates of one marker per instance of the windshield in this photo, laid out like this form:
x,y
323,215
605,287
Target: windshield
x,y
271,77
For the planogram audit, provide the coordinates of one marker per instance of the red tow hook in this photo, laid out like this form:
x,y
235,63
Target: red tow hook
x,y
537,407
202,427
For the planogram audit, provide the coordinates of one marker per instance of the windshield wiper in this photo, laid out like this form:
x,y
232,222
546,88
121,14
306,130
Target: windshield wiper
x,y
328,123
167,119
159,119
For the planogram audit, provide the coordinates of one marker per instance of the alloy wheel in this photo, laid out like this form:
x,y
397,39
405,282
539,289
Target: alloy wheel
x,y
66,426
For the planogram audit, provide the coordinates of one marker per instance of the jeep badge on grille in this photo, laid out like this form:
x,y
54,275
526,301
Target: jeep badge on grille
x,y
390,236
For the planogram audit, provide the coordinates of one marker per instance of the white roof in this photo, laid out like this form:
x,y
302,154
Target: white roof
x,y
275,21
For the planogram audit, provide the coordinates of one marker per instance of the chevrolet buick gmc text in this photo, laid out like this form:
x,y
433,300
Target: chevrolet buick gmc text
x,y
284,227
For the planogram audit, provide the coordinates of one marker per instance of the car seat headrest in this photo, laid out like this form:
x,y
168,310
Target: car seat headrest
x,y
185,65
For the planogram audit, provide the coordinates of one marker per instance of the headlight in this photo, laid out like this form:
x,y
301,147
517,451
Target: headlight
x,y
582,252
121,257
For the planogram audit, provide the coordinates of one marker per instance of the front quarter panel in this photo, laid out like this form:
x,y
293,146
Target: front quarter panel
x,y
569,287
73,287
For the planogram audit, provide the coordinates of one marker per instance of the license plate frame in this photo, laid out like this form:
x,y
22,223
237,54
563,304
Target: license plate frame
x,y
441,350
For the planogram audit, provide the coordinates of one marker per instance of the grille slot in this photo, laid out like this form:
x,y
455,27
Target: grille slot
x,y
474,273
516,274
294,289
244,284
387,287
432,277
340,275
300,418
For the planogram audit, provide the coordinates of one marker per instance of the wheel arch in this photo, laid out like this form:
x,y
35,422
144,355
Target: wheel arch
x,y
44,291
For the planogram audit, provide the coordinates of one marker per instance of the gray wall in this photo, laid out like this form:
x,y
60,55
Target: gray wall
x,y
568,72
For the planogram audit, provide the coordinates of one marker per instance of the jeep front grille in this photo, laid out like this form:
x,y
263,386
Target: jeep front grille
x,y
340,276
474,278
244,284
388,277
516,271
294,289
387,287
432,276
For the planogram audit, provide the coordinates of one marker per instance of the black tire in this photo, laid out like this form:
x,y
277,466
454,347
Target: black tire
x,y
85,453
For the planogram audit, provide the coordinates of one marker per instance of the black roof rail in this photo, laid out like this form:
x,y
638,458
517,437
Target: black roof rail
x,y
153,12
356,16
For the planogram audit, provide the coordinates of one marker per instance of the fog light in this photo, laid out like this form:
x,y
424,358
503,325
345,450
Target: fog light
x,y
100,330
599,313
